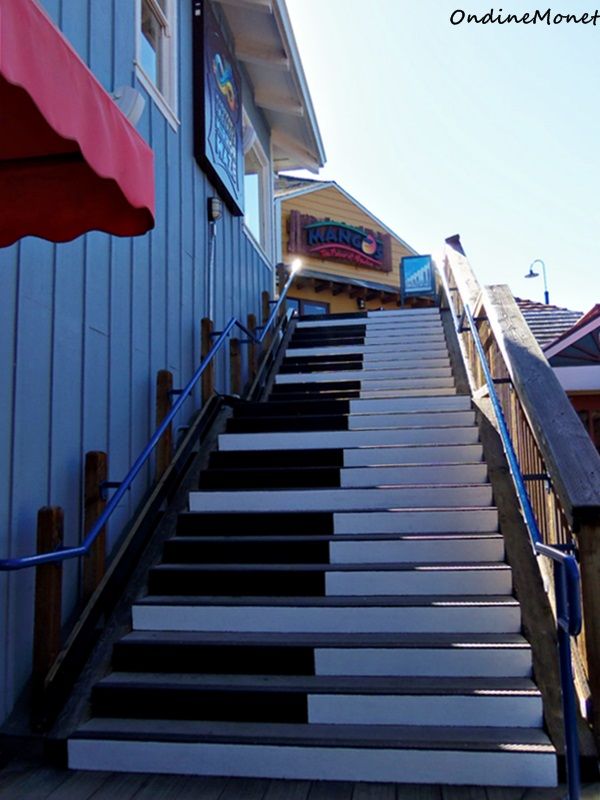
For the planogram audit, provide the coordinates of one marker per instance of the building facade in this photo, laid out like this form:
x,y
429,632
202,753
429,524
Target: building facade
x,y
87,324
350,259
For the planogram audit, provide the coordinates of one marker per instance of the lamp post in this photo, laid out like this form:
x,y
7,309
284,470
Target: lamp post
x,y
532,274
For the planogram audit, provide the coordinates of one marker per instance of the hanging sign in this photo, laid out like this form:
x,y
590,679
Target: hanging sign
x,y
417,277
332,240
218,143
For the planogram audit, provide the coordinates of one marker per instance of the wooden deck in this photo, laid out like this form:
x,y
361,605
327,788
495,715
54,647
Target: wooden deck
x,y
25,779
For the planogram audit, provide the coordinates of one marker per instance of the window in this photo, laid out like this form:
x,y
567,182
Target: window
x,y
307,307
257,189
156,63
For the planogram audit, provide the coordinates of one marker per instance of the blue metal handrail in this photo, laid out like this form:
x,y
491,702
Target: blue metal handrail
x,y
566,578
64,553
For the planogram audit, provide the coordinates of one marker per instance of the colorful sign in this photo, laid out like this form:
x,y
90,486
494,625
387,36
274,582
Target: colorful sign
x,y
331,240
416,276
218,108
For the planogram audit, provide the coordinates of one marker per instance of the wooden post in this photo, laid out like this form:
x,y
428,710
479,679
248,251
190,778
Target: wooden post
x,y
588,539
281,281
252,347
235,366
48,597
164,448
95,473
266,313
208,376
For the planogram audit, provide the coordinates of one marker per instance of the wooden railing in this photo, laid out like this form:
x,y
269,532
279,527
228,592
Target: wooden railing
x,y
557,458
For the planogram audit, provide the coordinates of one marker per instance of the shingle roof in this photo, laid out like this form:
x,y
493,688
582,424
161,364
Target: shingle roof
x,y
547,322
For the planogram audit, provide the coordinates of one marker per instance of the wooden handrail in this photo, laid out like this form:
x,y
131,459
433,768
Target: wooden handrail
x,y
465,281
571,459
549,435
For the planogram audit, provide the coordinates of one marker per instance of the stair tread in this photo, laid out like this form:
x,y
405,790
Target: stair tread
x,y
323,735
332,640
320,684
334,601
339,537
349,567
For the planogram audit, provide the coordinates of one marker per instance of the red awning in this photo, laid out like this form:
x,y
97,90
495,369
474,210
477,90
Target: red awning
x,y
70,161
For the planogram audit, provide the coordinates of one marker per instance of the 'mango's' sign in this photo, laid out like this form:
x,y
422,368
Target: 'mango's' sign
x,y
337,241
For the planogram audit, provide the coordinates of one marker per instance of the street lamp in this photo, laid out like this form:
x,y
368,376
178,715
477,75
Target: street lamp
x,y
532,274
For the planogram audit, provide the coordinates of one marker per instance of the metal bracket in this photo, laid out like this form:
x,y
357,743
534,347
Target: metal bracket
x,y
175,392
502,380
535,476
106,485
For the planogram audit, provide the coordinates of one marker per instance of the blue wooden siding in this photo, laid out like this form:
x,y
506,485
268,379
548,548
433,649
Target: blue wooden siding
x,y
86,325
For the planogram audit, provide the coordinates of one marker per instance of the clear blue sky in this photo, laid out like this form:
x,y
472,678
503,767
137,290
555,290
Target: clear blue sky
x,y
491,131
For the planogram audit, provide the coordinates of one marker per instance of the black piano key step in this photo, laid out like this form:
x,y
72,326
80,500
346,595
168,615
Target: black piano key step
x,y
270,478
255,523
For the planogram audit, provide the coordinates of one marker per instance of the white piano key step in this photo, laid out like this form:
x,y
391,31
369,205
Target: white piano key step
x,y
519,709
365,375
429,655
423,615
411,419
413,474
302,440
395,351
455,520
422,548
422,579
381,455
381,393
391,405
342,499
387,323
477,756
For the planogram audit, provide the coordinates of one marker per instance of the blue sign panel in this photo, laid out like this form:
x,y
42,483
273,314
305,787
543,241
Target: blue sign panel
x,y
417,277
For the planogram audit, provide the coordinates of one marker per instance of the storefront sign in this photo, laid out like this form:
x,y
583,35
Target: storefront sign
x,y
217,108
331,240
417,277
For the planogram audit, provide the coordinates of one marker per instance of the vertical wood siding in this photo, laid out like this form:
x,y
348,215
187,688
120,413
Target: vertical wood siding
x,y
85,326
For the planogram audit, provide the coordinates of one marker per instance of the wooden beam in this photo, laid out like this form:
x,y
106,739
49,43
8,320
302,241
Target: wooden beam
x,y
164,449
252,52
281,103
321,286
263,6
464,277
289,145
337,288
252,347
357,291
94,503
48,597
208,376
235,366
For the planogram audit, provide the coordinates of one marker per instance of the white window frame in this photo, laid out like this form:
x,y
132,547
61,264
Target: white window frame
x,y
265,242
164,92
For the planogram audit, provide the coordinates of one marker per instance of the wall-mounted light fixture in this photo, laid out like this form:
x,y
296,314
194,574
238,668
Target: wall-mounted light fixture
x,y
215,209
360,303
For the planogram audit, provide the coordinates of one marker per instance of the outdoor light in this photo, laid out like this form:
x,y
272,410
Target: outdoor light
x,y
296,265
215,209
532,274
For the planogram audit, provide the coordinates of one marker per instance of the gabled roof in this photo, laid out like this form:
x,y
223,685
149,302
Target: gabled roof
x,y
547,322
264,42
580,345
287,187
